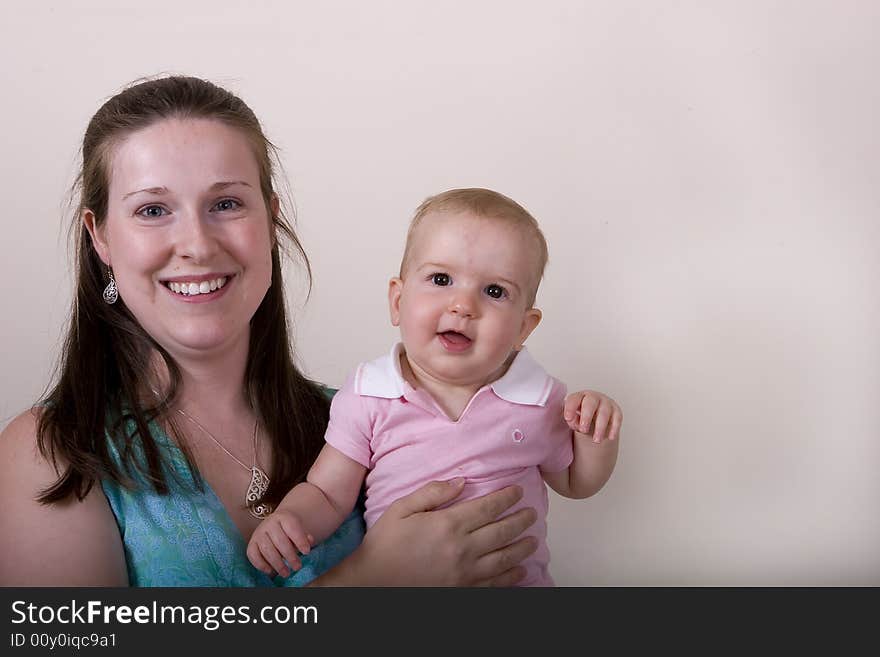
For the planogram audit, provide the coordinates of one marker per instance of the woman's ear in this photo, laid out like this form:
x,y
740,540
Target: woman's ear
x,y
530,320
99,241
395,288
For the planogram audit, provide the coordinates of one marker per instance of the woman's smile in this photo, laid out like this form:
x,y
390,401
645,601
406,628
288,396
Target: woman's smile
x,y
198,289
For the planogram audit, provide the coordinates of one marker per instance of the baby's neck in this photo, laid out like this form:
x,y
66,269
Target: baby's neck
x,y
452,398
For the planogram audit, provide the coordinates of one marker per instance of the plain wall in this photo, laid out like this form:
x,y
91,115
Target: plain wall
x,y
706,174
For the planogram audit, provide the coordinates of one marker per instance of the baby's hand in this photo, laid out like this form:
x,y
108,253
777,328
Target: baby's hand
x,y
586,408
276,540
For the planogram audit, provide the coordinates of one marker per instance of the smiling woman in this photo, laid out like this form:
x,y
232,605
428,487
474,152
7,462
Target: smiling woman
x,y
183,217
179,313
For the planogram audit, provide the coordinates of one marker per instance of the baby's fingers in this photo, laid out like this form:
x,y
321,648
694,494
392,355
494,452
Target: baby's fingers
x,y
616,422
295,533
271,557
287,550
255,556
603,416
589,404
570,408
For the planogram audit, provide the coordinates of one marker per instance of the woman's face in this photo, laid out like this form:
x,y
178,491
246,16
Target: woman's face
x,y
187,234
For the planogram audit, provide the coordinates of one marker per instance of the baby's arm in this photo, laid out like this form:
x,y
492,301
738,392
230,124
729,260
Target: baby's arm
x,y
308,514
595,453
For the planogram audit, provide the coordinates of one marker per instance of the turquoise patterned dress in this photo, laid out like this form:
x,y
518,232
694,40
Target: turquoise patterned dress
x,y
186,538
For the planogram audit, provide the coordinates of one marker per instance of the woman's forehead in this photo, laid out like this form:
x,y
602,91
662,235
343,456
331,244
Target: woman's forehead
x,y
182,149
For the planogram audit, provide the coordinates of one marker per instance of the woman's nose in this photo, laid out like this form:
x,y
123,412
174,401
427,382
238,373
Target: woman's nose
x,y
196,239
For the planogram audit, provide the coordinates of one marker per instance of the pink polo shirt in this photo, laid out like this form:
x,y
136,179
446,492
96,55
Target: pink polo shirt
x,y
509,431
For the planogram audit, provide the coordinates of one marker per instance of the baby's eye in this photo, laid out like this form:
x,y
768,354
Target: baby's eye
x,y
440,279
496,291
226,205
152,211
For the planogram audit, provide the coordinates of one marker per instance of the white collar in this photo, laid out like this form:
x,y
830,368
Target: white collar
x,y
525,381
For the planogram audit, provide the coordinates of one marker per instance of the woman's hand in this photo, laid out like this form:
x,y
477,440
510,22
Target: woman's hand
x,y
463,545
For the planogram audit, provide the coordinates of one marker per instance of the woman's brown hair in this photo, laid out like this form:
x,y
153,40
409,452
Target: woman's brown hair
x,y
99,390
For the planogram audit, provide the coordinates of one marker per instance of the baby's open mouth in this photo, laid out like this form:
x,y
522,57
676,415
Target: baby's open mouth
x,y
190,289
455,338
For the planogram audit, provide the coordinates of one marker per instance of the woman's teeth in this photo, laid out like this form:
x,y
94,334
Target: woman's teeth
x,y
192,289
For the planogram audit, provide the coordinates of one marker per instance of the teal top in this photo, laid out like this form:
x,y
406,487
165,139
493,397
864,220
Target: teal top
x,y
186,537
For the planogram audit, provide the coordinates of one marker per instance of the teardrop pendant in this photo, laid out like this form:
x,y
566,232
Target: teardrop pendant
x,y
258,487
111,292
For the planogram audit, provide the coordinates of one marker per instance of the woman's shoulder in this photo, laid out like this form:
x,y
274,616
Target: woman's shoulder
x,y
50,544
18,446
23,422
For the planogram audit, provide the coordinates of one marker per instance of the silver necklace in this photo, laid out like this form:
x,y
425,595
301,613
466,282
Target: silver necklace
x,y
259,479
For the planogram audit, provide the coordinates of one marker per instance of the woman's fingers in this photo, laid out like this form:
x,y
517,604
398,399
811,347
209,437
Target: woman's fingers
x,y
463,544
428,497
503,532
507,578
479,512
501,567
496,552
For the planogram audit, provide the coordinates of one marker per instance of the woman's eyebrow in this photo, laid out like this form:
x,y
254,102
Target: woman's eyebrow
x,y
228,183
223,184
147,190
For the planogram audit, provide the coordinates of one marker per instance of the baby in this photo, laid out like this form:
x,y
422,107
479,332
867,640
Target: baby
x,y
460,397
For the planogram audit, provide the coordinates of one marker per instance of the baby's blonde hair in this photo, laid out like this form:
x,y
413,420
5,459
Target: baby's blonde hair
x,y
487,204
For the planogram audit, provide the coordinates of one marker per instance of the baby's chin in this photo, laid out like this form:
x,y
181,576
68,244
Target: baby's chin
x,y
467,377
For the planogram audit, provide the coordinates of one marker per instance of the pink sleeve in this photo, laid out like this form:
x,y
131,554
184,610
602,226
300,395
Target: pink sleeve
x,y
350,429
559,450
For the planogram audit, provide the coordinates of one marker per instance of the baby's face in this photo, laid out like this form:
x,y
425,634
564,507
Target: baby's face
x,y
463,304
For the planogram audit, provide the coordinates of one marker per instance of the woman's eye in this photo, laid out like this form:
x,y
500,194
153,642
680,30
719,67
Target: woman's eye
x,y
440,279
227,204
496,291
152,211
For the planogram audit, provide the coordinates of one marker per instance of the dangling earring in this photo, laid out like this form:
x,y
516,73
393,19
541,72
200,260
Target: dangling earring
x,y
111,294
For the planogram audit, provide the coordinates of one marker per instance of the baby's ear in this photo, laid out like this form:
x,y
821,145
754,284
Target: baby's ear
x,y
395,288
99,241
531,319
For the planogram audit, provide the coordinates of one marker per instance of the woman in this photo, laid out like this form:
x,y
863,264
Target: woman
x,y
179,419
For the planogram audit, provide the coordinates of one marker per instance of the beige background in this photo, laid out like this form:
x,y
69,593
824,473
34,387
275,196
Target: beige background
x,y
707,177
